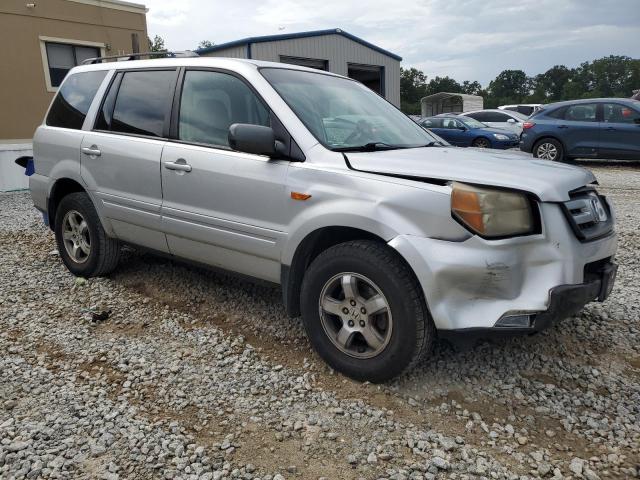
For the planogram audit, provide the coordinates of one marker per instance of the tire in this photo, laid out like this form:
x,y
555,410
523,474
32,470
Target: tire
x,y
403,331
481,142
96,253
549,149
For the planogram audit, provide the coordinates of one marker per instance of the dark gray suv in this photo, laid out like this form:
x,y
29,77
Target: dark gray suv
x,y
592,128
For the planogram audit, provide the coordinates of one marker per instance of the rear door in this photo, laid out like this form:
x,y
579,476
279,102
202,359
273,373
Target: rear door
x,y
579,130
221,207
120,157
619,132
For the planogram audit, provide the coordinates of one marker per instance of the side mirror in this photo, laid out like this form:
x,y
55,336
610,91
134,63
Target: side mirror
x,y
256,139
511,120
464,129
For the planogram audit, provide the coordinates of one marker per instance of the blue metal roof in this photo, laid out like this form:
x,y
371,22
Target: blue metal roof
x,y
291,36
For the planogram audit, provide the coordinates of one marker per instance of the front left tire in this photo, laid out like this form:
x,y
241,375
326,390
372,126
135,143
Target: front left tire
x,y
364,311
85,248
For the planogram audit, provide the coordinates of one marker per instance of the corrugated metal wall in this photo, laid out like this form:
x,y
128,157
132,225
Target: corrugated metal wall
x,y
338,50
234,52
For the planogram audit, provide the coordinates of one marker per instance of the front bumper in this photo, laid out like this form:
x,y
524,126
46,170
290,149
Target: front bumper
x,y
473,284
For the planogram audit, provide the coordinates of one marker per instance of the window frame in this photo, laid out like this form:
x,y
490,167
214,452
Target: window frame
x,y
65,41
116,81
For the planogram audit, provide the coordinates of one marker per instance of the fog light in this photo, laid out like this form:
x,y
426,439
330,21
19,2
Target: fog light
x,y
518,320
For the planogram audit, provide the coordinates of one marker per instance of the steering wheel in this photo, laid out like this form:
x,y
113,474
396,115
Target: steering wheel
x,y
362,133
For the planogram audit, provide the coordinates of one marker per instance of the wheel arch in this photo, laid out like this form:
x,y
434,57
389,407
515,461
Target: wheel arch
x,y
60,189
546,136
481,137
312,245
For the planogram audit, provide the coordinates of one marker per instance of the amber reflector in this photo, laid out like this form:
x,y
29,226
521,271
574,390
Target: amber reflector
x,y
466,204
300,196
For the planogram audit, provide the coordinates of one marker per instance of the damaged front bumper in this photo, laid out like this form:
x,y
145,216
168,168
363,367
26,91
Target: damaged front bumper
x,y
517,285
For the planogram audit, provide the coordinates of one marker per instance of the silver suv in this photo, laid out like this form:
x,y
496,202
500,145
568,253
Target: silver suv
x,y
381,235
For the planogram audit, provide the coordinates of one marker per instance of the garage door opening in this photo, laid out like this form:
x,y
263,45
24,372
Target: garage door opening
x,y
370,75
316,63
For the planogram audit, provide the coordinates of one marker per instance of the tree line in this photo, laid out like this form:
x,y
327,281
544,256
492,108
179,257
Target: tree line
x,y
612,76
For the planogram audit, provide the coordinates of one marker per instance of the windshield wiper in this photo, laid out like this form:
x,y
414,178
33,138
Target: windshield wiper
x,y
435,143
370,147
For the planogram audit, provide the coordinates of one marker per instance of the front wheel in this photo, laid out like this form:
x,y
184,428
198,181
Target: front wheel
x,y
84,246
364,311
481,142
549,149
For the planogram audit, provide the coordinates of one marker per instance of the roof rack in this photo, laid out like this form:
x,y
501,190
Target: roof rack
x,y
133,56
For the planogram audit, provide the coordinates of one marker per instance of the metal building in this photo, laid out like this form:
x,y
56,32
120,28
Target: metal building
x,y
445,102
332,50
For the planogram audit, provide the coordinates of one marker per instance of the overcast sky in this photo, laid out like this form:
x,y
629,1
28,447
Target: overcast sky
x,y
464,39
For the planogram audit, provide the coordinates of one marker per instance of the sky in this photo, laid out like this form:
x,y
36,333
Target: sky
x,y
464,39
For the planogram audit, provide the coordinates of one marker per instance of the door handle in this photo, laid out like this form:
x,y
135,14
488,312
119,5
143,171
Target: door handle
x,y
611,128
563,126
93,151
181,166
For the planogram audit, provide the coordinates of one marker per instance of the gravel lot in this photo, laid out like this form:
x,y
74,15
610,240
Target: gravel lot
x,y
198,374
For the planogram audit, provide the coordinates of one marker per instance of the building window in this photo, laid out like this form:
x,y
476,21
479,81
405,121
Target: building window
x,y
63,57
59,55
318,64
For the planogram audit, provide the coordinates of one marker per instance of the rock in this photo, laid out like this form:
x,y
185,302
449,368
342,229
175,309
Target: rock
x,y
440,463
372,458
576,465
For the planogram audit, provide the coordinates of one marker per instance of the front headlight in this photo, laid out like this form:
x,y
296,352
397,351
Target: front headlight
x,y
500,136
492,212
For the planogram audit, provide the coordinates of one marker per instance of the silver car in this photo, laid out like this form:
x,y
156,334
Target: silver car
x,y
381,235
506,119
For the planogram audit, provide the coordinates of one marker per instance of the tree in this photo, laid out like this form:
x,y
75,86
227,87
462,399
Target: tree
x,y
205,44
157,44
472,88
510,86
413,85
443,84
550,84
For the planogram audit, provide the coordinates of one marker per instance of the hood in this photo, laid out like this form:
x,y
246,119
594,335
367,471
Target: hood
x,y
549,181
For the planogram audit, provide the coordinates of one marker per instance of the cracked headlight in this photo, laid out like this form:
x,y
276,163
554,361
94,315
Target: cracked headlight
x,y
500,136
492,212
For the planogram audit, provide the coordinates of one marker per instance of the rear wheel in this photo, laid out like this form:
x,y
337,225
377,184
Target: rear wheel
x,y
364,311
84,247
549,149
481,142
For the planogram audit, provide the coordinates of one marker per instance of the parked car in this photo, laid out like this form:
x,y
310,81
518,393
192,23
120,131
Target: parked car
x,y
504,119
380,237
463,131
592,128
526,109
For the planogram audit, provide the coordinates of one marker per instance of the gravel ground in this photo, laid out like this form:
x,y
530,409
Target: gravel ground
x,y
197,374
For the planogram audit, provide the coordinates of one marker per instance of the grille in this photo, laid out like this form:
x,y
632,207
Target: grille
x,y
589,215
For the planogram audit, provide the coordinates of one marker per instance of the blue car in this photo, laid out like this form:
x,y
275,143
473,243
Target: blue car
x,y
593,128
467,132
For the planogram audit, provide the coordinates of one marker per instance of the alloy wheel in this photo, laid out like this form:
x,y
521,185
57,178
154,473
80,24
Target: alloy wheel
x,y
75,235
547,151
355,315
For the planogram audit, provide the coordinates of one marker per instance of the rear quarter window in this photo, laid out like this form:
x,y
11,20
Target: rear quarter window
x,y
70,107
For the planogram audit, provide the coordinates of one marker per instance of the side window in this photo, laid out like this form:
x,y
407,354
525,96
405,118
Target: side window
x,y
449,123
582,112
480,116
557,113
143,100
73,100
617,113
497,117
211,102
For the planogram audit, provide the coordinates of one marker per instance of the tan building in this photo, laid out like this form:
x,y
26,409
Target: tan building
x,y
41,40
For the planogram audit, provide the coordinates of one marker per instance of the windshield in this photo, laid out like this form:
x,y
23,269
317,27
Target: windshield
x,y
343,114
471,122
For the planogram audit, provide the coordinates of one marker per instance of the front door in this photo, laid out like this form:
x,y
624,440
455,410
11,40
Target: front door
x,y
120,158
620,132
220,207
